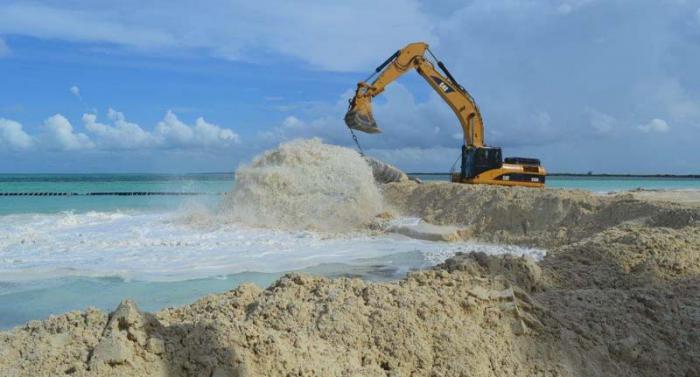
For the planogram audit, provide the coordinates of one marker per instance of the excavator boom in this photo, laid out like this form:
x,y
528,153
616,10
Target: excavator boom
x,y
359,115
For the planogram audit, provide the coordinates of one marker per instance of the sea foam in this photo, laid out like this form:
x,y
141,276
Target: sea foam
x,y
159,247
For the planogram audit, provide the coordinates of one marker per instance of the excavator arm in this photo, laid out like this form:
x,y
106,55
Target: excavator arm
x,y
359,115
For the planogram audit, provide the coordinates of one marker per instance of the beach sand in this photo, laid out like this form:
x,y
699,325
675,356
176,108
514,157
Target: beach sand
x,y
686,197
617,294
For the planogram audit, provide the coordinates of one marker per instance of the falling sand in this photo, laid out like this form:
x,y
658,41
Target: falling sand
x,y
305,184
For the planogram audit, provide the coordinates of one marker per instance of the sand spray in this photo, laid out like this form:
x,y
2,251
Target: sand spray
x,y
305,184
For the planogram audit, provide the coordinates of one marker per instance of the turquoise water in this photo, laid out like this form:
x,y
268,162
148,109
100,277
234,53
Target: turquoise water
x,y
211,185
623,183
22,302
60,253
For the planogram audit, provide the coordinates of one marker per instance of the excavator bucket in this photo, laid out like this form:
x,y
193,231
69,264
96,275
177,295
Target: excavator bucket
x,y
361,121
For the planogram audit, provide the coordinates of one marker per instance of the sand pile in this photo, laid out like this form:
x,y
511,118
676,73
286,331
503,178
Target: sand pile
x,y
627,256
305,184
531,217
474,315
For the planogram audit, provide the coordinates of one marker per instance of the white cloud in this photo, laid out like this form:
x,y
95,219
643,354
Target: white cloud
x,y
656,125
171,132
207,134
13,136
407,122
59,134
79,23
4,49
237,29
74,90
122,135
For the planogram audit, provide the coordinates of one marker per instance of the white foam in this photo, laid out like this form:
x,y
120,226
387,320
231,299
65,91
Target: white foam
x,y
162,247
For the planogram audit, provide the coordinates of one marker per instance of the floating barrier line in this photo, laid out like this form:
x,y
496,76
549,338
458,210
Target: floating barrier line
x,y
110,193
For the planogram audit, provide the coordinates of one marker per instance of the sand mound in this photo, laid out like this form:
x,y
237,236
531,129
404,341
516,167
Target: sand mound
x,y
530,216
627,256
305,184
474,315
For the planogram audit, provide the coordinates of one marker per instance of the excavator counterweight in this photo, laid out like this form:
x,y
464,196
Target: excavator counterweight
x,y
481,164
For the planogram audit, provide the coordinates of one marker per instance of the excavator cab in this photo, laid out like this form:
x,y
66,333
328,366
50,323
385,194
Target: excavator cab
x,y
478,160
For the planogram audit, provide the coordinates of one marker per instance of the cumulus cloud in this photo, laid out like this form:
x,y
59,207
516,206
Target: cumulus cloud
x,y
59,134
121,135
174,133
13,136
656,125
74,90
171,132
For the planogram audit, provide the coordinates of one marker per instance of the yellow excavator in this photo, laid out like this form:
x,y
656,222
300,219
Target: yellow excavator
x,y
480,164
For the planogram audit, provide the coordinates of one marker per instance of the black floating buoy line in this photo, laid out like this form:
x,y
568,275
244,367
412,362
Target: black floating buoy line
x,y
109,193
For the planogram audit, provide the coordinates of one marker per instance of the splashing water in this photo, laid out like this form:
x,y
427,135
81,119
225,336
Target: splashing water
x,y
305,184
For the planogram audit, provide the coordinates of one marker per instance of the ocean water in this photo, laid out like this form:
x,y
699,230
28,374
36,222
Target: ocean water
x,y
60,253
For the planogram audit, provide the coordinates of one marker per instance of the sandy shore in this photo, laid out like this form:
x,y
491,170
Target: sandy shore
x,y
617,295
685,197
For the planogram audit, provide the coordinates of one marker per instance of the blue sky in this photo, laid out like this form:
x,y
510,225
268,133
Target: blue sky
x,y
184,86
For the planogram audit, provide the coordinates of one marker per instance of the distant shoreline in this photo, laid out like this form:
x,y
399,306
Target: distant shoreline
x,y
602,175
